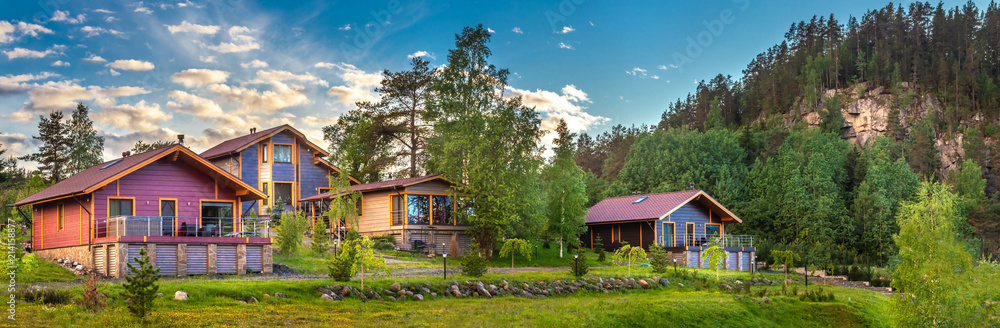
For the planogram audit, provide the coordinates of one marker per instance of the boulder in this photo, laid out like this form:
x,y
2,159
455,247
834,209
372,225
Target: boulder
x,y
158,295
250,300
326,297
766,300
395,287
280,294
346,291
180,296
323,290
267,296
664,281
643,283
418,297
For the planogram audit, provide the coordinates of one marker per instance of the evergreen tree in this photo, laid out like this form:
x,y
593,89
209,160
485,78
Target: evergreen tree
x,y
52,154
142,147
401,111
486,142
566,191
359,146
140,286
86,148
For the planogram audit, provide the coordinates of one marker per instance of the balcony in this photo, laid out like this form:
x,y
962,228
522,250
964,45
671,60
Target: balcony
x,y
168,226
699,241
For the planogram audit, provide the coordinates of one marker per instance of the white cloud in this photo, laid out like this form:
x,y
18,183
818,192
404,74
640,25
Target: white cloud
x,y
566,29
192,28
421,53
110,19
592,24
140,8
207,59
665,67
346,27
60,95
63,16
103,11
490,30
242,41
269,76
141,117
132,65
17,117
199,77
27,53
568,105
279,97
60,63
517,30
256,63
113,72
325,65
13,84
318,121
358,86
95,31
16,144
194,105
95,59
565,46
636,71
10,31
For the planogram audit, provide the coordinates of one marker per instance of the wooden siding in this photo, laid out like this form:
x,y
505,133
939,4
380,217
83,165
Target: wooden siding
x,y
375,211
229,164
249,170
76,223
432,187
311,176
694,212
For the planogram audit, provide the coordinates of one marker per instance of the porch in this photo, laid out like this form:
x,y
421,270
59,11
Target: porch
x,y
174,229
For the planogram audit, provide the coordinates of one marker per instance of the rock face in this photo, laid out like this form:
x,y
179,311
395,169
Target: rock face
x,y
180,296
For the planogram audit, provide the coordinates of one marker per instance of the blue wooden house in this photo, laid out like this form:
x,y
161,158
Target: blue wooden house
x,y
682,222
280,161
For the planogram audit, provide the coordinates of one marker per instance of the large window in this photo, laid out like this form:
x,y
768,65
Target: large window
x,y
282,194
119,207
668,234
216,219
263,153
61,212
168,210
713,231
418,209
690,234
443,210
358,205
398,208
282,153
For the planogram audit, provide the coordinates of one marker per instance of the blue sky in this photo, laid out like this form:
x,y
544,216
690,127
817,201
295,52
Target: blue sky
x,y
214,69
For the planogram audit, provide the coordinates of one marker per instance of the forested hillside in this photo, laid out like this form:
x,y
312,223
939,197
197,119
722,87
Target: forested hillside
x,y
826,133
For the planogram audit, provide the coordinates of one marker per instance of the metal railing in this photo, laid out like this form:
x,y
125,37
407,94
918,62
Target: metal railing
x,y
699,240
178,226
398,217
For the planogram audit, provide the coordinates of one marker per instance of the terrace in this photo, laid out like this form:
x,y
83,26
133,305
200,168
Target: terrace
x,y
697,241
182,229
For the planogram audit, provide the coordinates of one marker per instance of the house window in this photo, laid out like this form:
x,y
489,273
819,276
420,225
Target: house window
x,y
119,207
168,210
418,209
216,219
668,234
263,153
464,211
357,203
713,231
282,154
443,207
61,213
398,208
282,194
690,234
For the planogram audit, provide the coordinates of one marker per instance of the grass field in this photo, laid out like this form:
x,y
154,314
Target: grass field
x,y
214,304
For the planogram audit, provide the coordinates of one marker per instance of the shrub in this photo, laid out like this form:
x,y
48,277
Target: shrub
x,y
599,249
578,265
290,232
817,295
92,298
473,263
341,268
141,287
320,238
45,295
659,259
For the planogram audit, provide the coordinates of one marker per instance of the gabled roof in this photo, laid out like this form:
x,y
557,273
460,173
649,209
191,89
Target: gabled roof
x,y
98,176
238,144
652,207
374,186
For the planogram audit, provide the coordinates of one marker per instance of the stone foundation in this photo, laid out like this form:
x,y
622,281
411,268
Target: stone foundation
x,y
80,254
85,255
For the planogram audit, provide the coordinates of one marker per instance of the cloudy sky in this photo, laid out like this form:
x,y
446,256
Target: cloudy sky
x,y
214,69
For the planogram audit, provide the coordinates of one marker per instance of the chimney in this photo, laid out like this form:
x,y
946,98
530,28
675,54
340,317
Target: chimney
x,y
253,130
692,185
180,139
124,154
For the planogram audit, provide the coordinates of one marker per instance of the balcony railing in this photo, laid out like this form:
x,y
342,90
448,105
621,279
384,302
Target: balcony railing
x,y
702,240
170,226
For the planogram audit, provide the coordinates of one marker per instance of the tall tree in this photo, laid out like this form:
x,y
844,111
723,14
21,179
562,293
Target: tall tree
x,y
52,154
9,172
566,191
142,147
358,146
401,110
86,148
485,141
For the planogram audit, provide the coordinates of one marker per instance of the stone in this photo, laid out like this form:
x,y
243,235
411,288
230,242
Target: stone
x,y
250,300
158,295
280,294
526,294
267,296
643,283
180,296
391,298
326,297
323,290
418,297
395,287
680,284
766,300
664,281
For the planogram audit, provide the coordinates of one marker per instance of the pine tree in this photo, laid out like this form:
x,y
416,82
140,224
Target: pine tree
x,y
142,147
52,154
86,148
140,286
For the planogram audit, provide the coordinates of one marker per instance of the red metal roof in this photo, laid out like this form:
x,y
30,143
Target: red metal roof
x,y
378,186
655,206
97,176
239,143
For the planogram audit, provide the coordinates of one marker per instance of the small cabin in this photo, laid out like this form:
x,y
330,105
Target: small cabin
x,y
417,212
181,208
682,222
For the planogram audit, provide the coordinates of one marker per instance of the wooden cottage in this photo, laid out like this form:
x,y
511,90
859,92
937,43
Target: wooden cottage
x,y
179,206
416,212
683,222
279,161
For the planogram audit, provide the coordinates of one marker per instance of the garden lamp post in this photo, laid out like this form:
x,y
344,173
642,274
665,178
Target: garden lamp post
x,y
536,251
576,260
675,266
446,266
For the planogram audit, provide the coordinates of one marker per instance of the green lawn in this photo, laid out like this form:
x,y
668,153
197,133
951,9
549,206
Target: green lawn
x,y
546,257
47,272
214,304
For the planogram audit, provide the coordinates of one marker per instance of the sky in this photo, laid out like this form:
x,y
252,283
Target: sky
x,y
211,70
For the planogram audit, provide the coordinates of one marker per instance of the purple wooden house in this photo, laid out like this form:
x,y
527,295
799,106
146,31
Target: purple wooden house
x,y
181,208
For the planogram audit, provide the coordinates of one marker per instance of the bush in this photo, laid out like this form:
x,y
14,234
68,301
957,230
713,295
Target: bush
x,y
579,266
45,295
342,267
290,232
140,286
659,259
320,238
817,295
92,298
473,263
599,249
